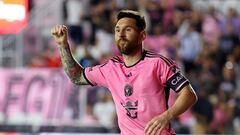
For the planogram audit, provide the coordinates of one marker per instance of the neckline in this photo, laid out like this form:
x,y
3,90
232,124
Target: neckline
x,y
142,58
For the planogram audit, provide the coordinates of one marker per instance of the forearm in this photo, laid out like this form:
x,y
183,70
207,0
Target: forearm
x,y
185,100
70,65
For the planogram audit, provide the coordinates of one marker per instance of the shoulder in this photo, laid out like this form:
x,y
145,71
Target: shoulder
x,y
110,62
159,58
116,60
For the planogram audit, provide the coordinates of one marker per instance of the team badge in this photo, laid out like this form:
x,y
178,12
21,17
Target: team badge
x,y
128,90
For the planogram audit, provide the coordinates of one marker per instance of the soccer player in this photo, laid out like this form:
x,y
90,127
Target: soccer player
x,y
139,80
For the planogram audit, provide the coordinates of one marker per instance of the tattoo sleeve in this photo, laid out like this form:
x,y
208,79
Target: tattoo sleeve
x,y
71,67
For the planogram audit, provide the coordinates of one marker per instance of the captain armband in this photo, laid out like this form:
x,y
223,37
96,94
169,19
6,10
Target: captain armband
x,y
177,82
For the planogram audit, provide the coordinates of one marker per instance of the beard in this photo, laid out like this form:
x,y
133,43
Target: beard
x,y
125,46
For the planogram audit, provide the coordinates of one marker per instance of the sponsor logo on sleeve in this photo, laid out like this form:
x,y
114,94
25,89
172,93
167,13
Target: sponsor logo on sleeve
x,y
90,69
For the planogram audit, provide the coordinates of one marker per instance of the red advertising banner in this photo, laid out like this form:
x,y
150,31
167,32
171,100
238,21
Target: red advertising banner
x,y
13,16
34,94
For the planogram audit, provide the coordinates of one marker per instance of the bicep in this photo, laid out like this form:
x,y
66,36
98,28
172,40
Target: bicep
x,y
187,92
78,77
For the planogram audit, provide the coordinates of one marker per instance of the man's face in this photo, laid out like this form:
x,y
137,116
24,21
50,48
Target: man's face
x,y
127,36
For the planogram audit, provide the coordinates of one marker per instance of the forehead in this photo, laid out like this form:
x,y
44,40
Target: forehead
x,y
126,22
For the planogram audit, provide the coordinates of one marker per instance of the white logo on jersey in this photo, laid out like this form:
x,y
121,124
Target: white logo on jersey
x,y
176,80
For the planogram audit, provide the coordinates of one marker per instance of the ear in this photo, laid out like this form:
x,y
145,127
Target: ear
x,y
143,35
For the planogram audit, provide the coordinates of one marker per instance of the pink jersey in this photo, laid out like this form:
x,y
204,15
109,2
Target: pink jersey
x,y
141,91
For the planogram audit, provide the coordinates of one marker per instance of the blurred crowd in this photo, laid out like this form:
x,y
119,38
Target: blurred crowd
x,y
202,36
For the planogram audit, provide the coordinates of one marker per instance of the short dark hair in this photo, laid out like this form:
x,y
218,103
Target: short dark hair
x,y
140,21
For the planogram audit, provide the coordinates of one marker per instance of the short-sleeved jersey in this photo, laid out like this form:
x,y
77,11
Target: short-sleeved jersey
x,y
140,91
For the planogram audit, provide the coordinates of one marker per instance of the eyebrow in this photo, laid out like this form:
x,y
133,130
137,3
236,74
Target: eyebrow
x,y
117,27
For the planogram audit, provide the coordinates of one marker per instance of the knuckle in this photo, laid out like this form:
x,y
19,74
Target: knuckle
x,y
156,122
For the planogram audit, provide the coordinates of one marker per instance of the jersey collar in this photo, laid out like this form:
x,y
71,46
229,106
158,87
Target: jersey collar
x,y
142,58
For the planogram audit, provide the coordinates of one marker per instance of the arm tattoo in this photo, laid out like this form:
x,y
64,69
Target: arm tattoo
x,y
71,67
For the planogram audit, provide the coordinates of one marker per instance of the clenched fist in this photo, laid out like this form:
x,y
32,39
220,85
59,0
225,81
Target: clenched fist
x,y
60,34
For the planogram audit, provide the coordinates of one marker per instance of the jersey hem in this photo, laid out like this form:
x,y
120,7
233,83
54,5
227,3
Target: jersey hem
x,y
84,74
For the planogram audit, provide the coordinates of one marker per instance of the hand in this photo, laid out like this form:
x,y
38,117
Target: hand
x,y
158,124
60,34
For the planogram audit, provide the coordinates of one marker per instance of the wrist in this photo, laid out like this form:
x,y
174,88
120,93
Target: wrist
x,y
169,115
63,44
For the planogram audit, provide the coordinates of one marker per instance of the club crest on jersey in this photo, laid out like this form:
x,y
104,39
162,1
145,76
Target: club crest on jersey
x,y
128,90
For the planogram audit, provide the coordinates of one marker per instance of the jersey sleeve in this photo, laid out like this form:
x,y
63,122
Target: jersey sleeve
x,y
96,75
171,76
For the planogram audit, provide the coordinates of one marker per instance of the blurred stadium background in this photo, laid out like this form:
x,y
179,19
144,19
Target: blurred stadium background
x,y
202,36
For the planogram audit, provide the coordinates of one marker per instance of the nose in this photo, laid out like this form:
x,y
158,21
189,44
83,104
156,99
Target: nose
x,y
122,34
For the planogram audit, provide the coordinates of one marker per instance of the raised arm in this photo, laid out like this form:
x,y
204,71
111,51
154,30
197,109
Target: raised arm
x,y
70,65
